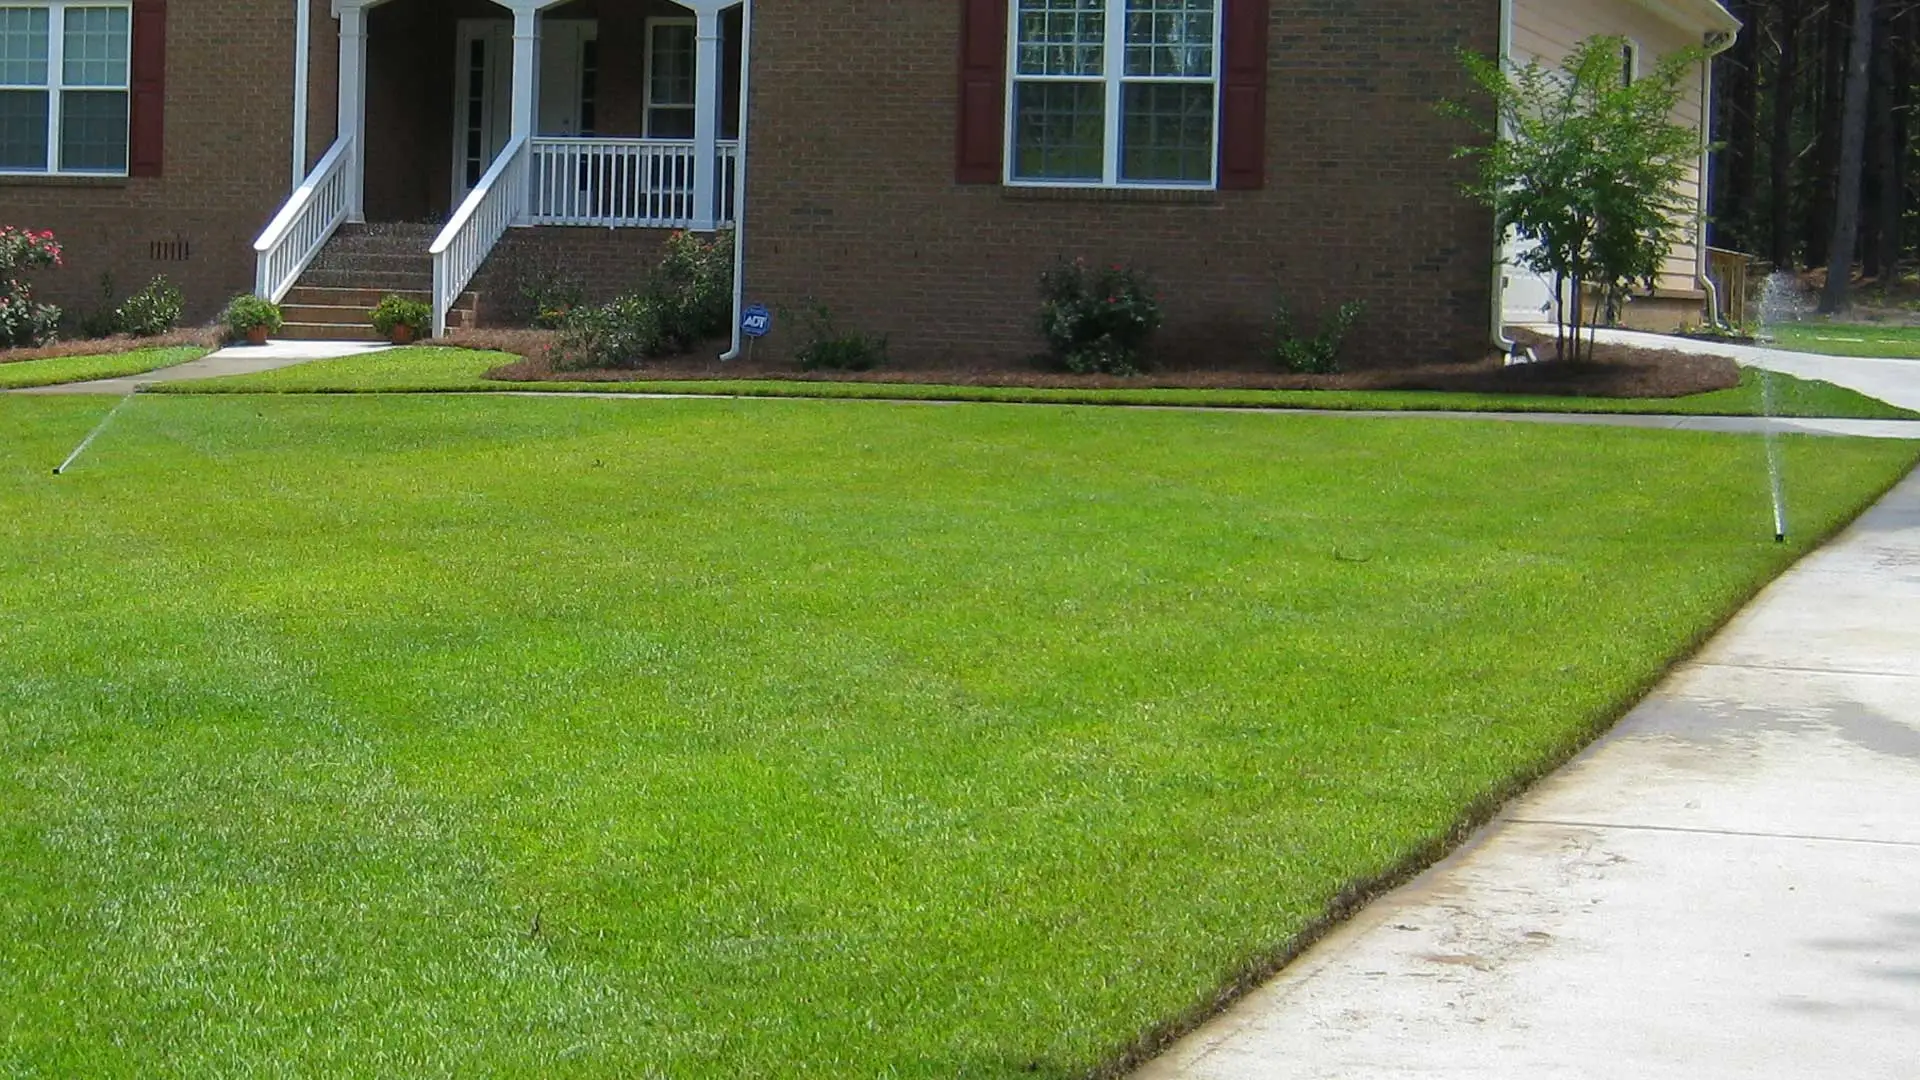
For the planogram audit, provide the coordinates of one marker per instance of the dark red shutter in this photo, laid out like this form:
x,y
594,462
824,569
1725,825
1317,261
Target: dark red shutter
x,y
983,91
1243,97
146,120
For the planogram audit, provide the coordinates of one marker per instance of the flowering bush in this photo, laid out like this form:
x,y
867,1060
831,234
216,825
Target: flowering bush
x,y
24,323
152,311
1097,320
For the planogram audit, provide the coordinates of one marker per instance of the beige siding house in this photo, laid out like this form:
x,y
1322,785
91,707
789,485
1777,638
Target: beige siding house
x,y
1546,31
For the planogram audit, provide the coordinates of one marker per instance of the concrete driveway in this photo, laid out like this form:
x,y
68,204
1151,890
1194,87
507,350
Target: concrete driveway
x,y
1728,886
1896,382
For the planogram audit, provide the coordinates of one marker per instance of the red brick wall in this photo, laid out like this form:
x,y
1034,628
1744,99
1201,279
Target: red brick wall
x,y
851,196
227,167
607,262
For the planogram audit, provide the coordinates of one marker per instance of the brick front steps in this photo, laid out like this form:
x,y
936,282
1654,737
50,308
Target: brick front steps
x,y
361,264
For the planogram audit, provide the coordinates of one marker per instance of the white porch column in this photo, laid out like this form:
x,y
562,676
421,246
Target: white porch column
x,y
353,104
526,87
706,117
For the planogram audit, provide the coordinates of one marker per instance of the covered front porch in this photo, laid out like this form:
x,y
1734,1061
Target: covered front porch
x,y
484,115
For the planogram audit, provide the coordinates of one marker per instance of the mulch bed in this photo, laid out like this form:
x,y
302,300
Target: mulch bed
x,y
108,345
1616,371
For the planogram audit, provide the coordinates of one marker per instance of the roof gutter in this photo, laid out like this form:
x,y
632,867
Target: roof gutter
x,y
1716,42
1499,313
740,185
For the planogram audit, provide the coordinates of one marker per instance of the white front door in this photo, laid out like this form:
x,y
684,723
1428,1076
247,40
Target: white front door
x,y
483,89
482,99
569,73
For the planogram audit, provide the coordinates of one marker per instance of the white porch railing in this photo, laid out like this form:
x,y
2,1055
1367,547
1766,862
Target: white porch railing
x,y
302,227
495,203
627,183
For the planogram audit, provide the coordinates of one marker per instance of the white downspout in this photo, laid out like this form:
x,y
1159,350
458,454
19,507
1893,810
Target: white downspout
x,y
1499,329
302,42
740,184
1716,44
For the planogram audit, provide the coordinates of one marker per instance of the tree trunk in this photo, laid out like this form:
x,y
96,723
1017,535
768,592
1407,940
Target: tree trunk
x,y
1878,243
1853,135
1738,131
1831,85
1785,76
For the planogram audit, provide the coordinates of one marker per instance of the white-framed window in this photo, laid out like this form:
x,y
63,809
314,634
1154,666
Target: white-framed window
x,y
671,89
1629,62
1114,93
64,70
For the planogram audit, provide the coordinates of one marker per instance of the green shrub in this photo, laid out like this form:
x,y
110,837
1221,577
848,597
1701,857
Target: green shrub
x,y
1097,320
104,319
828,349
692,289
244,312
152,311
24,323
622,334
394,310
689,299
1316,354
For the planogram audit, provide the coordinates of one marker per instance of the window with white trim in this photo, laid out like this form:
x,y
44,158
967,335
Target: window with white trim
x,y
1114,93
671,93
64,71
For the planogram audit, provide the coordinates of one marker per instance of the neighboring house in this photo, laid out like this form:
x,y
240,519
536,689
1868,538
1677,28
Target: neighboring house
x,y
1546,31
913,164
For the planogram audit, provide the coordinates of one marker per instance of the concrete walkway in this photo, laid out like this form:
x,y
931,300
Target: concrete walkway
x,y
232,360
1728,886
1896,382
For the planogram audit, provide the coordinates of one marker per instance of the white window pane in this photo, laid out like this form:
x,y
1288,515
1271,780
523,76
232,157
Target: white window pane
x,y
94,47
23,47
93,131
1170,38
1060,130
1167,133
23,129
670,68
1062,37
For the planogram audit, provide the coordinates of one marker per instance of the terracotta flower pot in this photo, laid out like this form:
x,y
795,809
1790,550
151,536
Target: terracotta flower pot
x,y
257,335
401,335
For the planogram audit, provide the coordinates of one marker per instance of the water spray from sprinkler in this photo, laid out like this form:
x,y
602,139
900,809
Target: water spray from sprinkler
x,y
1781,299
60,469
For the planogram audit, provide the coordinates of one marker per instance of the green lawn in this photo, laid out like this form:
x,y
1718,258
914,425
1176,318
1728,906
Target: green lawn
x,y
1847,339
441,369
456,736
69,369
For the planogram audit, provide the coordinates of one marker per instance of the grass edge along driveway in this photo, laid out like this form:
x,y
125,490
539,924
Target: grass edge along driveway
x,y
59,370
438,369
445,735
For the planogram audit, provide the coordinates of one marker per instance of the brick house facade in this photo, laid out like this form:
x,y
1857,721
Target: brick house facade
x,y
887,140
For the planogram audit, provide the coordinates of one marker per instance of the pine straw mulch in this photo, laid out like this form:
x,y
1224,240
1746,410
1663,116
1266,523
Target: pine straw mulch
x,y
108,346
1616,371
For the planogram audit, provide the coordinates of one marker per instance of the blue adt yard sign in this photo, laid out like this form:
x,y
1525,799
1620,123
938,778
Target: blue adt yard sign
x,y
756,321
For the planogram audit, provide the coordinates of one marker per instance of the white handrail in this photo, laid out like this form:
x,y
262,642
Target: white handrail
x,y
626,183
303,226
496,202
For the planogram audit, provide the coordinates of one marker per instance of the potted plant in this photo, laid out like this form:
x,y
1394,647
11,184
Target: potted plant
x,y
400,319
252,317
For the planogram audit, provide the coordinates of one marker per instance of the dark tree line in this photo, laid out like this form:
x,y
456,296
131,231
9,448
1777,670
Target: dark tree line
x,y
1781,119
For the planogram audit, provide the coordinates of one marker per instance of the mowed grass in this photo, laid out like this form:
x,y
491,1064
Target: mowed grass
x,y
21,374
430,369
415,736
1849,339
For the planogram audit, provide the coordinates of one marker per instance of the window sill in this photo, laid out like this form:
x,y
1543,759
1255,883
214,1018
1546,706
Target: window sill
x,y
1165,196
60,180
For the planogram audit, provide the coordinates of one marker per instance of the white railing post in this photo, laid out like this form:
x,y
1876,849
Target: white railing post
x,y
353,102
706,118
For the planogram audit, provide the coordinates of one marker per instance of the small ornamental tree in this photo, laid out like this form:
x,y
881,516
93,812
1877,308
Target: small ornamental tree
x,y
1586,164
